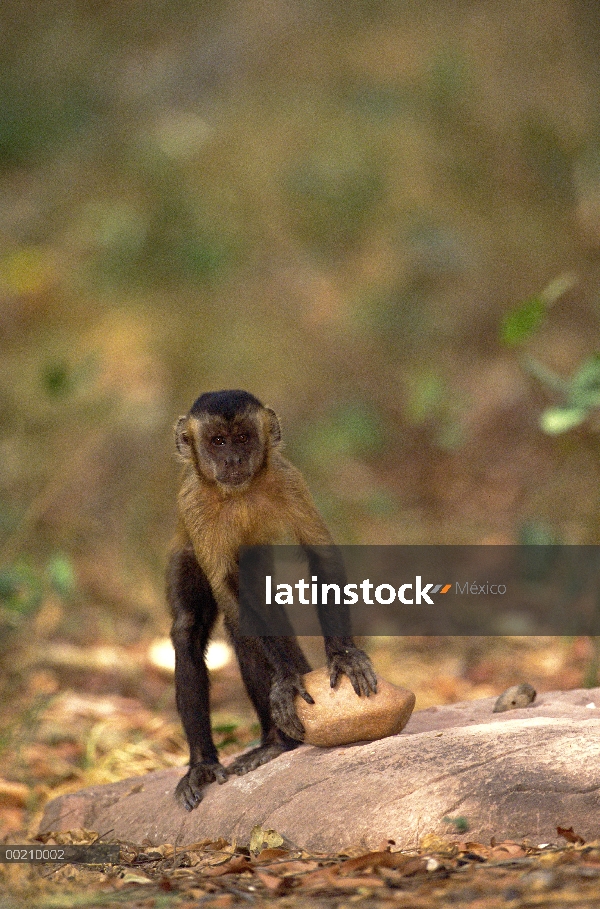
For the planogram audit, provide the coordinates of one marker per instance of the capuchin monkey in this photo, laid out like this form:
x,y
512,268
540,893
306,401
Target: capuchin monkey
x,y
238,490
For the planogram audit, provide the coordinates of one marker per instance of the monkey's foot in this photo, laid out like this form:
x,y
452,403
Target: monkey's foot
x,y
357,666
258,756
189,788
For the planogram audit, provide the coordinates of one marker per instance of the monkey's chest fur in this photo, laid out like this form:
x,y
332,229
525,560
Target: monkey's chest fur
x,y
218,525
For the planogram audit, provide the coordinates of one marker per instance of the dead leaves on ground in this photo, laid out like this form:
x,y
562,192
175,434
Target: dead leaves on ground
x,y
225,874
276,867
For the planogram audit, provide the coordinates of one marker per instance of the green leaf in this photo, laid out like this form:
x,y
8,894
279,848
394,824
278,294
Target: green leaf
x,y
56,378
225,728
426,393
585,384
61,575
546,376
20,591
555,420
521,322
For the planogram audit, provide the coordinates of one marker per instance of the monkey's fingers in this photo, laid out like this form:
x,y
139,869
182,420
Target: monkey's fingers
x,y
364,683
186,797
334,675
357,666
367,678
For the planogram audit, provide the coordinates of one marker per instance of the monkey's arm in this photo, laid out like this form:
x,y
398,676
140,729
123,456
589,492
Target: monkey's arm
x,y
325,561
343,656
194,611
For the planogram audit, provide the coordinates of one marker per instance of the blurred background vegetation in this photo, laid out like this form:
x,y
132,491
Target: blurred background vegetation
x,y
382,217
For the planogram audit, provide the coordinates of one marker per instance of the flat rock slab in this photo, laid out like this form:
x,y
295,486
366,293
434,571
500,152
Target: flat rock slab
x,y
516,774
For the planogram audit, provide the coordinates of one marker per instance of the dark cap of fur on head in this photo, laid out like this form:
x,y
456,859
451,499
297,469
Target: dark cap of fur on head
x,y
224,403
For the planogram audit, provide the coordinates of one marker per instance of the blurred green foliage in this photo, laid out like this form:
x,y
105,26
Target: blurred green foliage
x,y
582,395
459,824
447,87
333,195
520,323
37,120
580,392
351,430
61,575
22,592
536,533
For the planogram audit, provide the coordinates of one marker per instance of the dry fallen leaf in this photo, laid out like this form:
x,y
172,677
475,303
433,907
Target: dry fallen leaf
x,y
322,878
430,842
374,860
261,839
77,837
267,855
133,878
570,836
276,885
236,865
13,795
507,850
296,866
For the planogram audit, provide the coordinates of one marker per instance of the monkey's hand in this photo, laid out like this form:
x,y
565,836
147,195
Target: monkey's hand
x,y
283,711
189,788
357,666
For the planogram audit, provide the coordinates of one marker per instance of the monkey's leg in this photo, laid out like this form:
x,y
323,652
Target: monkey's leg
x,y
260,682
194,612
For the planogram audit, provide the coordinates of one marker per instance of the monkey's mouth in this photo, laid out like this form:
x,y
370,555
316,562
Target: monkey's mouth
x,y
233,478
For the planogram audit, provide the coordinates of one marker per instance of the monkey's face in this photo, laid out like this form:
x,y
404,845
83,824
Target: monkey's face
x,y
229,452
233,450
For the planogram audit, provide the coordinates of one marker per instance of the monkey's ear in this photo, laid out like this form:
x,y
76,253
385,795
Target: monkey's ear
x,y
274,427
183,439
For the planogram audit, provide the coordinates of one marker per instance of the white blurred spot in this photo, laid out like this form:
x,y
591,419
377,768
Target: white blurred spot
x,y
162,655
219,654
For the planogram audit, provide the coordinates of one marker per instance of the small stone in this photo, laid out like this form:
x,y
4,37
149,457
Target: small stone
x,y
515,697
340,717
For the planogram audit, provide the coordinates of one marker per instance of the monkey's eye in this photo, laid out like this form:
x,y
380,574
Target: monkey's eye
x,y
218,440
242,437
